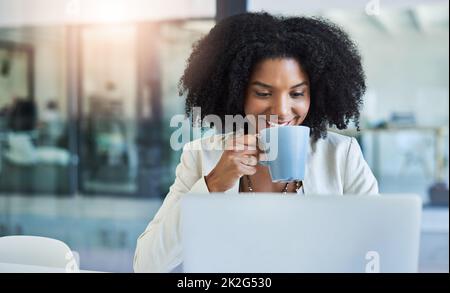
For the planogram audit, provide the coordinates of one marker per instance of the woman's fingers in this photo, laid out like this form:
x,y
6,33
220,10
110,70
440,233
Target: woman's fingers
x,y
241,143
247,152
249,160
248,139
247,170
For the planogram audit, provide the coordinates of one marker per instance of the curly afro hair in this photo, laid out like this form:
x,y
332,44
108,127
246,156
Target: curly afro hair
x,y
219,67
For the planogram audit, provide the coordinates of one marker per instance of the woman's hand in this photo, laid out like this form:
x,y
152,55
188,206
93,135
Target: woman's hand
x,y
239,158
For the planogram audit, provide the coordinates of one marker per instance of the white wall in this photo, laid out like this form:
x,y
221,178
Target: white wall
x,y
407,74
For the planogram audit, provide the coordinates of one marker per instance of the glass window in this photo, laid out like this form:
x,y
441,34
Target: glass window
x,y
85,112
34,154
108,151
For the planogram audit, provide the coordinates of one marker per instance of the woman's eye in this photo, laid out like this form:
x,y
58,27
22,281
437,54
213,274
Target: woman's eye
x,y
297,94
262,94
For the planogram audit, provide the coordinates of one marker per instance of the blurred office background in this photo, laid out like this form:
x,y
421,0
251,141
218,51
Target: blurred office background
x,y
87,89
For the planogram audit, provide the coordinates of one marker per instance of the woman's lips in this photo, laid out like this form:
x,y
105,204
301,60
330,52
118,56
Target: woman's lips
x,y
273,124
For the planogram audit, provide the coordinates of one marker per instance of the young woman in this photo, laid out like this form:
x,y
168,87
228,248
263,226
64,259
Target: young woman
x,y
306,71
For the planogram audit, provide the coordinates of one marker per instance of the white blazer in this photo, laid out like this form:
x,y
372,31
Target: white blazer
x,y
335,166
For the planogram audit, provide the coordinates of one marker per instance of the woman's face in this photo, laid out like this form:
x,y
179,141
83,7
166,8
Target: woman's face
x,y
277,87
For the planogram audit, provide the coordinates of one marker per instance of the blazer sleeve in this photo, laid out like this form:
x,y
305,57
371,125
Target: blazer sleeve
x,y
158,248
358,178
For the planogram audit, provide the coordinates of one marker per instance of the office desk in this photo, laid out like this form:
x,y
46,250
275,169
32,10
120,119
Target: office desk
x,y
20,268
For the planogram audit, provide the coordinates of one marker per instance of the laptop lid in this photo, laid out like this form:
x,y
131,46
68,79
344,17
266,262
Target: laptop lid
x,y
273,233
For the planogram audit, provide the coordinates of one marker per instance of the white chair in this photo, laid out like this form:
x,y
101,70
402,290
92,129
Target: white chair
x,y
37,251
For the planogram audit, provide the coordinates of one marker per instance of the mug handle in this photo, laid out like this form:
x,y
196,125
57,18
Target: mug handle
x,y
262,163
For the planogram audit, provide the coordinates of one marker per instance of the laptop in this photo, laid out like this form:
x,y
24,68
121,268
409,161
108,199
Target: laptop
x,y
273,233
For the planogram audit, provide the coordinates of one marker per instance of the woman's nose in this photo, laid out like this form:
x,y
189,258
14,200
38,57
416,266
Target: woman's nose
x,y
281,108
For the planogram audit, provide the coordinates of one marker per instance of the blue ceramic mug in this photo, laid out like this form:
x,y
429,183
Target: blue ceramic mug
x,y
285,150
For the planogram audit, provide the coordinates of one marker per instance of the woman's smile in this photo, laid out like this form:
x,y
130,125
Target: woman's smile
x,y
281,123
